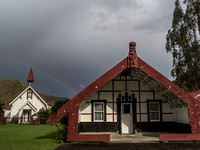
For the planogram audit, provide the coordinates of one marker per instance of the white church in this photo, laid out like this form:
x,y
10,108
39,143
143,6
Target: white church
x,y
26,104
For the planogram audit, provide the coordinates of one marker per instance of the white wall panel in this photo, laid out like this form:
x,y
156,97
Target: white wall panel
x,y
181,115
115,107
108,86
116,95
105,96
146,96
109,108
138,108
143,107
144,118
157,96
119,85
85,118
144,87
167,117
115,118
128,77
136,96
109,118
166,108
132,85
86,108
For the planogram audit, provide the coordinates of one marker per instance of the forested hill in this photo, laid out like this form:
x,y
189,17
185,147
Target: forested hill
x,y
10,89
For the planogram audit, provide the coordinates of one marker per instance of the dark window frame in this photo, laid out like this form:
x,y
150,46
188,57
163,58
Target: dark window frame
x,y
160,109
92,109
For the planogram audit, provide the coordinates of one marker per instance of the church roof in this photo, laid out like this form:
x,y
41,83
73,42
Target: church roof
x,y
7,107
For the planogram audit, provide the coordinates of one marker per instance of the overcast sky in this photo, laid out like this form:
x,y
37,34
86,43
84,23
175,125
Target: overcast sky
x,y
70,43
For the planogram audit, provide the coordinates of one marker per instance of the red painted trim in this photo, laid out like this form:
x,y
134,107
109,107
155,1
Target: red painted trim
x,y
7,107
165,138
86,113
111,113
42,97
32,105
90,137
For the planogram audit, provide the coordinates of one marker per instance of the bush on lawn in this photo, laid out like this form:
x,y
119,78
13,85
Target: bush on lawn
x,y
14,120
43,114
63,126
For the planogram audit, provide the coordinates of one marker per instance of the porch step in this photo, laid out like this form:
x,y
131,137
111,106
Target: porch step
x,y
138,137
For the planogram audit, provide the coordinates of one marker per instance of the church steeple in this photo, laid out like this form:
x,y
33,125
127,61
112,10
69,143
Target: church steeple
x,y
30,78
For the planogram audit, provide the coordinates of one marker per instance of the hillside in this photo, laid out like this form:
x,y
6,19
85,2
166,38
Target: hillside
x,y
9,89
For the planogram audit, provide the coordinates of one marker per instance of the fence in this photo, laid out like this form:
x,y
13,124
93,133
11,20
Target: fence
x,y
24,120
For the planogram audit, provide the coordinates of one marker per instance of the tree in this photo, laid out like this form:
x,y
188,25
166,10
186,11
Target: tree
x,y
63,127
1,109
183,41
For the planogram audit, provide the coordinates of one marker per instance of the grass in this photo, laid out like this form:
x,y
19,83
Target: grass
x,y
27,137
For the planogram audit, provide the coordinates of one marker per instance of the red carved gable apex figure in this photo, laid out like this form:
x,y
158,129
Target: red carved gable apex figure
x,y
132,56
30,78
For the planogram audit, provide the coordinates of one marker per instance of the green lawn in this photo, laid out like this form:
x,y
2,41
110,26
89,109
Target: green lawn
x,y
27,137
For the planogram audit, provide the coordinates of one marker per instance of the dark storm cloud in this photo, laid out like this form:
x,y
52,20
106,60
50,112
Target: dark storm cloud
x,y
76,41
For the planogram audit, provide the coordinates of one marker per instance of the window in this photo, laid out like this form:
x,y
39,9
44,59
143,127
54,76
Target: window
x,y
29,94
154,108
126,109
154,111
98,110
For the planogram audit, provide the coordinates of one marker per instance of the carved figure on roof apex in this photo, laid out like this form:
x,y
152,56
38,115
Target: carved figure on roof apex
x,y
132,56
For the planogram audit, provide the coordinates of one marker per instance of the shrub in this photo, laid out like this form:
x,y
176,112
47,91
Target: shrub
x,y
62,133
63,126
43,114
14,120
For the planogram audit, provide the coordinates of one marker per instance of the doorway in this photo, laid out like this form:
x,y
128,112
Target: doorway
x,y
126,113
127,118
26,116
